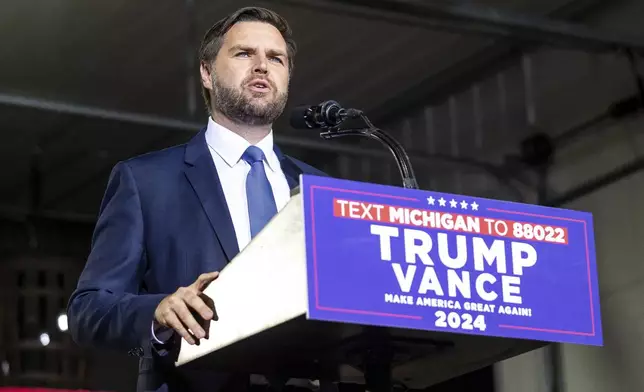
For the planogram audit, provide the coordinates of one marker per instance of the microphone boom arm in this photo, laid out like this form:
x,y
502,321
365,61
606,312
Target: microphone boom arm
x,y
401,157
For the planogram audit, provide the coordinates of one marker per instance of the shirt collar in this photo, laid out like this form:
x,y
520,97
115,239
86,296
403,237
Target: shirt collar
x,y
230,146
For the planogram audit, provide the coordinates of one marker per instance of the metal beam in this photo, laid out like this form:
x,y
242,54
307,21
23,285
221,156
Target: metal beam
x,y
142,119
482,20
486,62
94,112
599,182
186,126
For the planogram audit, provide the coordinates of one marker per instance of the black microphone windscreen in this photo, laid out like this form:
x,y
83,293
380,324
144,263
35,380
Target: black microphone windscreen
x,y
298,119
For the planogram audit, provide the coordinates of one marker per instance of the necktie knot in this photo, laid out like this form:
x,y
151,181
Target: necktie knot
x,y
253,154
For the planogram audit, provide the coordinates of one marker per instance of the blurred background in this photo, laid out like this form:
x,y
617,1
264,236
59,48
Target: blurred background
x,y
537,101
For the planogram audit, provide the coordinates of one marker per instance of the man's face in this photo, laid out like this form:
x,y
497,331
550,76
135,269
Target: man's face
x,y
249,78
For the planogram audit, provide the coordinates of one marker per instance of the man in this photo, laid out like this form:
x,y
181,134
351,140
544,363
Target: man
x,y
170,220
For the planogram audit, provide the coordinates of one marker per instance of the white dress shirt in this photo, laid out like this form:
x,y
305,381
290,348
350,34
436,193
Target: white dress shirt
x,y
227,148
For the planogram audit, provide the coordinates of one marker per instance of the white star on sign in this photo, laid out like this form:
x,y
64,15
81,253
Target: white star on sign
x,y
431,200
464,205
453,203
442,202
475,207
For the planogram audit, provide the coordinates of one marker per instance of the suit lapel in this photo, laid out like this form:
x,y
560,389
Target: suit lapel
x,y
202,175
291,170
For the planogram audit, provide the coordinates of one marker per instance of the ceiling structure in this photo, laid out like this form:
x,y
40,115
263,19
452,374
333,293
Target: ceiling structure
x,y
85,84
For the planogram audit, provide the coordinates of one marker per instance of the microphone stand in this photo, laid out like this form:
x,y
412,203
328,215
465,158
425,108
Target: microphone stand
x,y
372,132
376,344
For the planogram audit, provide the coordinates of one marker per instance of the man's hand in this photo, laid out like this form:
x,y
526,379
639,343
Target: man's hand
x,y
175,311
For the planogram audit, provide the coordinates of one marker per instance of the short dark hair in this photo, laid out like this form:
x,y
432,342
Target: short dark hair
x,y
213,39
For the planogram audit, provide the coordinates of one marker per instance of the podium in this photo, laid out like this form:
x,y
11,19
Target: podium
x,y
378,285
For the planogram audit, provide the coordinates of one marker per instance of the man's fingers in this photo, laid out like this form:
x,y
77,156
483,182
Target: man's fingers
x,y
210,304
172,321
196,302
181,309
204,280
177,309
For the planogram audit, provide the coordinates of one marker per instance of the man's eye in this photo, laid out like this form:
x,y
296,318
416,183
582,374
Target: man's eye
x,y
242,54
279,60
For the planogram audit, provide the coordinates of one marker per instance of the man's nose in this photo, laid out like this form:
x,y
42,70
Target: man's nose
x,y
260,65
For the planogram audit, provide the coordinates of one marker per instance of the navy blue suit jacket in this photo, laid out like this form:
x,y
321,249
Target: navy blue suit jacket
x,y
163,221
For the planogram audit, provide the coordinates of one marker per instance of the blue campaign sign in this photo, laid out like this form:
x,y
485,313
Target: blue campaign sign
x,y
388,256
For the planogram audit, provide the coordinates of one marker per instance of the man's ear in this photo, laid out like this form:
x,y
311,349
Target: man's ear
x,y
205,71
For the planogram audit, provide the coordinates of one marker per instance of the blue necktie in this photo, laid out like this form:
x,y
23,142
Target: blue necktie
x,y
261,203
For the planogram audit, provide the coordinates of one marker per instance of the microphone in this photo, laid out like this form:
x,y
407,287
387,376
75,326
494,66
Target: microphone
x,y
328,114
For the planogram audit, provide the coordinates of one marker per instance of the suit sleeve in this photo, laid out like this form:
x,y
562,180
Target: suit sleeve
x,y
107,307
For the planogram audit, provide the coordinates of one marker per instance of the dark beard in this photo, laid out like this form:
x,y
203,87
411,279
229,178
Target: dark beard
x,y
233,104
